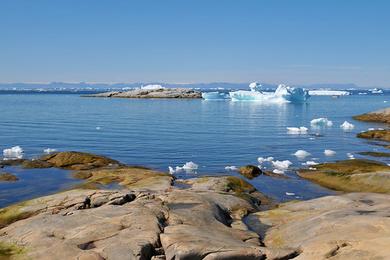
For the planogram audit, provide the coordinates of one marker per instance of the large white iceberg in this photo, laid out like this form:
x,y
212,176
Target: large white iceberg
x,y
283,94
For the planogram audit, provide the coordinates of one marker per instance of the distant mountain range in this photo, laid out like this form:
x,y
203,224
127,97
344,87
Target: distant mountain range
x,y
214,85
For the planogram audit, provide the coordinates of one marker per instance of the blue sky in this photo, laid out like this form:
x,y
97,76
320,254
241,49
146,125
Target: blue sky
x,y
295,42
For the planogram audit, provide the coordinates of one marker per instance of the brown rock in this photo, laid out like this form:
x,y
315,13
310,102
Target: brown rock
x,y
5,176
383,135
250,171
380,116
77,160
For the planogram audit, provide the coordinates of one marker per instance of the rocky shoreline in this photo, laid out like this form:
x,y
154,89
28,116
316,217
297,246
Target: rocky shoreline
x,y
181,93
203,218
155,216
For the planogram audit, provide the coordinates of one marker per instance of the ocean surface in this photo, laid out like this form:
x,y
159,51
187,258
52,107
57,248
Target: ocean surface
x,y
161,133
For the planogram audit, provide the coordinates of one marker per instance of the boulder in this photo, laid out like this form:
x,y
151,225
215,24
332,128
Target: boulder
x,y
380,116
250,171
350,226
351,175
5,176
76,160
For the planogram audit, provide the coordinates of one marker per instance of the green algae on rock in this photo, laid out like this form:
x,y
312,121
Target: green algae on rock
x,y
351,175
10,251
375,154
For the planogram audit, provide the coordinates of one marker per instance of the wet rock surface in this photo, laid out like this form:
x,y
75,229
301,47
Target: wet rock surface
x,y
152,93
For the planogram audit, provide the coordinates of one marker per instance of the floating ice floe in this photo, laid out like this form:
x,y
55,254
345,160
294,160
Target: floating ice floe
x,y
263,160
188,167
98,128
214,96
346,126
277,171
310,163
376,91
321,122
290,193
324,92
49,150
15,152
231,168
328,152
283,94
152,87
297,130
350,156
301,154
281,165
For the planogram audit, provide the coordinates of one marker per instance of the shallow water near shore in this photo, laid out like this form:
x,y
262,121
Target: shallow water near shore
x,y
162,133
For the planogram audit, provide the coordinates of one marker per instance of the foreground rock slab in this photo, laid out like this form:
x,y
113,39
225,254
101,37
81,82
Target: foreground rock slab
x,y
203,221
351,226
152,93
351,175
379,116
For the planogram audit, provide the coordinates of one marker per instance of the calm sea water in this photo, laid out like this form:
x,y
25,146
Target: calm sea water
x,y
162,133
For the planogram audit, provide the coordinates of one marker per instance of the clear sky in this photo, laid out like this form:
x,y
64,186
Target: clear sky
x,y
295,42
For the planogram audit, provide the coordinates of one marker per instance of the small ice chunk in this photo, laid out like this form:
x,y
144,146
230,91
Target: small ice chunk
x,y
350,156
263,160
290,193
346,126
301,154
98,128
171,170
49,150
277,171
231,168
310,163
188,167
15,152
321,122
371,129
297,130
281,165
328,152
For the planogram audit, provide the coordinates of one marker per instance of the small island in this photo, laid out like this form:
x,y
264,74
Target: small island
x,y
151,91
